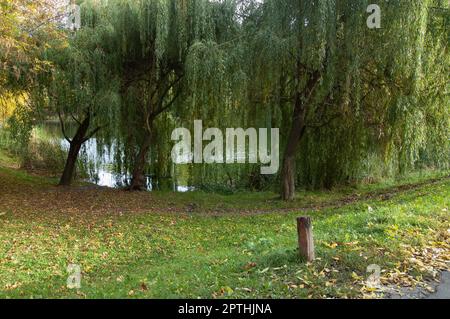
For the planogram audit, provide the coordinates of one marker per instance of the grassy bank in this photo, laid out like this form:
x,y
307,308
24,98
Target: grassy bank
x,y
157,245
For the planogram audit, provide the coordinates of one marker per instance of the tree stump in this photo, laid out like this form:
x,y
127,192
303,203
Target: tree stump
x,y
305,238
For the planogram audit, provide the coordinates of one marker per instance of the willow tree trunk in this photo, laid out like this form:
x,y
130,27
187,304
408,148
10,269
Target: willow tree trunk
x,y
297,131
75,146
138,179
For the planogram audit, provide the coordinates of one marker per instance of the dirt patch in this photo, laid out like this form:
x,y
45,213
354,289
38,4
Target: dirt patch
x,y
23,197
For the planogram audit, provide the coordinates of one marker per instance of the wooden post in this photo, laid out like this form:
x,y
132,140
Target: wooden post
x,y
305,238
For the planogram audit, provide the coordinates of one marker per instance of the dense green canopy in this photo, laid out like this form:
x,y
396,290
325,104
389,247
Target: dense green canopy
x,y
357,112
352,103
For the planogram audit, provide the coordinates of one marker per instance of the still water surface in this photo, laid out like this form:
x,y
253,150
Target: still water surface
x,y
100,161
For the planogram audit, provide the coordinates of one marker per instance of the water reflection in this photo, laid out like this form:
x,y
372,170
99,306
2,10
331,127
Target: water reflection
x,y
100,161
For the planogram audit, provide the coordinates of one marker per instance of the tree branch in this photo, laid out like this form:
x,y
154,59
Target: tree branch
x,y
167,106
91,135
326,123
75,119
161,108
63,128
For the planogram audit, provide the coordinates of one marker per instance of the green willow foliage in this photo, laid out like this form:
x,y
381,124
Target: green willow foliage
x,y
82,83
373,113
158,54
379,106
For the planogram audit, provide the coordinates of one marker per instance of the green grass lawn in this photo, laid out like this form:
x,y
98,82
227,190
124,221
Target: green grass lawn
x,y
245,251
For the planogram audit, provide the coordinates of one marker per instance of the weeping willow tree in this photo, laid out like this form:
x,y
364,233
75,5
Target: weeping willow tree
x,y
340,86
154,39
83,88
397,124
299,42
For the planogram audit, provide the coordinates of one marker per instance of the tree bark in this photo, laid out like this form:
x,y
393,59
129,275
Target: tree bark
x,y
69,168
75,146
138,179
298,127
295,136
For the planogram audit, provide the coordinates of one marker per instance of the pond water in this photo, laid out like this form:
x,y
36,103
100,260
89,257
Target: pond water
x,y
100,162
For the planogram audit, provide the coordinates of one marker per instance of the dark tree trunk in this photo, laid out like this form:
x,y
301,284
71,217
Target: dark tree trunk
x,y
138,180
69,168
75,146
288,179
298,128
297,131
